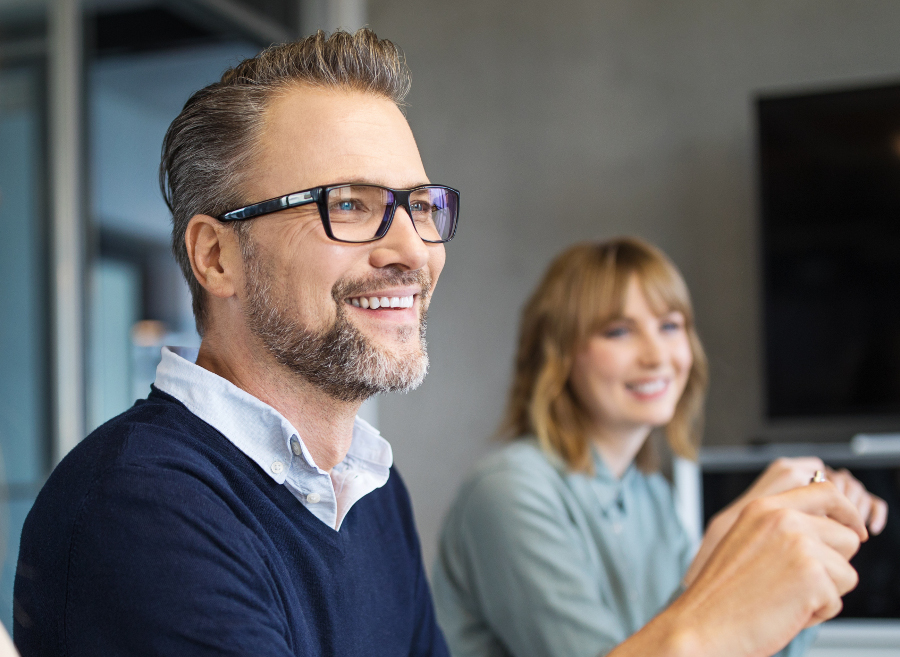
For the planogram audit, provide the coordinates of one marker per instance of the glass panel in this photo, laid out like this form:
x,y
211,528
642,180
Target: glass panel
x,y
24,357
136,86
22,286
115,288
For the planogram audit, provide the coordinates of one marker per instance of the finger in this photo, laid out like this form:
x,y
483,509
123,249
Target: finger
x,y
839,578
830,534
864,506
837,478
800,469
822,499
878,515
865,502
829,611
854,490
783,474
837,567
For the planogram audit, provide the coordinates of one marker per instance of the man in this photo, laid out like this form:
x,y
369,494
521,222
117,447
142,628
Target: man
x,y
242,509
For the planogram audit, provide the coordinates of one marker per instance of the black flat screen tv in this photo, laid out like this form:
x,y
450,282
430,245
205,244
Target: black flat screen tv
x,y
830,213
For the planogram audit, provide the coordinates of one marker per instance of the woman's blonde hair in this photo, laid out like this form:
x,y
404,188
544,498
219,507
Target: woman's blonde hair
x,y
582,291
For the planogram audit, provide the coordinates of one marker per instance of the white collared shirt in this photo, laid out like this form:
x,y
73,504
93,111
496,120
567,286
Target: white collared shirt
x,y
268,439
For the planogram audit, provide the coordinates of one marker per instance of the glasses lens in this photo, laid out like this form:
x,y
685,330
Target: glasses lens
x,y
356,212
359,213
434,212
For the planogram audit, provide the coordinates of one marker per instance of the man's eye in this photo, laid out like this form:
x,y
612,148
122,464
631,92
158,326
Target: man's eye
x,y
345,206
422,206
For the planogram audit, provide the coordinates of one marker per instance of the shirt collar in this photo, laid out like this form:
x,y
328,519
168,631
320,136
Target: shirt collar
x,y
608,487
264,434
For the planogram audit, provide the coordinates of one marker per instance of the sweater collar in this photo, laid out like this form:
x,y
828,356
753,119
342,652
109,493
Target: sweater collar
x,y
272,442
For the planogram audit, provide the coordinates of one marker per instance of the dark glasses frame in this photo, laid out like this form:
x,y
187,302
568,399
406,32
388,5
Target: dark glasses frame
x,y
319,196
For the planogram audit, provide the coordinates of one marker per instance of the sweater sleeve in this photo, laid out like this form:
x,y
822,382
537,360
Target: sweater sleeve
x,y
158,565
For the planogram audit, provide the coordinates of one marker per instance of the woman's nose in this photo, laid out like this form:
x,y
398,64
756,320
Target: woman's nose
x,y
652,350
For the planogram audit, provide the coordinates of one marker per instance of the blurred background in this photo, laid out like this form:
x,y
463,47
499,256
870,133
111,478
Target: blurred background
x,y
559,122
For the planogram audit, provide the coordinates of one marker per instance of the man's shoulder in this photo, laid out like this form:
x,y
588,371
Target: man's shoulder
x,y
157,438
149,432
159,413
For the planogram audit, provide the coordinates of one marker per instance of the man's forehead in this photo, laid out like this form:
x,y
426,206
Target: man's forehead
x,y
314,137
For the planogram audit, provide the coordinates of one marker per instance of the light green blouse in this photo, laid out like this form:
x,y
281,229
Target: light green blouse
x,y
537,561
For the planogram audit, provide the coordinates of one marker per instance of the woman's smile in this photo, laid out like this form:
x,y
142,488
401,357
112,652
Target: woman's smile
x,y
649,389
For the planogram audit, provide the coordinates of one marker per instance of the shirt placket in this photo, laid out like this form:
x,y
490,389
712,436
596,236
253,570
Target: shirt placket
x,y
312,489
615,515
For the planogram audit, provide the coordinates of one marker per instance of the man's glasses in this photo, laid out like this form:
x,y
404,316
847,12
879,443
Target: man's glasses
x,y
363,213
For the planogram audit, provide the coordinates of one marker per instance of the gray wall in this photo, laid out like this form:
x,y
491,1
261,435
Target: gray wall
x,y
579,119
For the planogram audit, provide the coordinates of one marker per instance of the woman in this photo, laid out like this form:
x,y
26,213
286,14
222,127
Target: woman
x,y
566,542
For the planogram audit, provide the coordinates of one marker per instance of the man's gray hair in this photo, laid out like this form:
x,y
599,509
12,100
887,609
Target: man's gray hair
x,y
212,146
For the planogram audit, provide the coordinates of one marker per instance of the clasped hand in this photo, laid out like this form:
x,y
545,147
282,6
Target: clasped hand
x,y
782,475
779,565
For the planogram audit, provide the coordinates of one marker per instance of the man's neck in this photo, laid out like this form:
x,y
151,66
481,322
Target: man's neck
x,y
324,423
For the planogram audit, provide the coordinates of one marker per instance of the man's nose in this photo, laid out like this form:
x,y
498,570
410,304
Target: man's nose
x,y
401,245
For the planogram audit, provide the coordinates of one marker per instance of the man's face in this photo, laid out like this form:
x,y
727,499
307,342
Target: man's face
x,y
303,291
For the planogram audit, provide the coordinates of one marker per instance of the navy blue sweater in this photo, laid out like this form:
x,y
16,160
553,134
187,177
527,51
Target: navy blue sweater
x,y
157,536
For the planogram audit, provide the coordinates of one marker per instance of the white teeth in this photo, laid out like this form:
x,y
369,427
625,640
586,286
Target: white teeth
x,y
382,302
650,387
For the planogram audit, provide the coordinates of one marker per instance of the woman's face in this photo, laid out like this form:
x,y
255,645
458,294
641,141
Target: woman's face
x,y
631,374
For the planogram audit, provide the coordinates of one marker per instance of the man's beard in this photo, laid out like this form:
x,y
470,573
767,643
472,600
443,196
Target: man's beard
x,y
339,359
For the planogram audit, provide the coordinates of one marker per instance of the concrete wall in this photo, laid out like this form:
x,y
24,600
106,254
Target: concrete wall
x,y
579,119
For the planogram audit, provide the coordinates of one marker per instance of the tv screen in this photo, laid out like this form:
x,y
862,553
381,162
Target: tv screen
x,y
830,214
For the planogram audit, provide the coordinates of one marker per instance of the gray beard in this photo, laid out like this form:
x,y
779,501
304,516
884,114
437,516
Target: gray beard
x,y
339,360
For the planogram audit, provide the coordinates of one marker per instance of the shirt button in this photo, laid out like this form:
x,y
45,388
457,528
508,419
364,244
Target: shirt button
x,y
313,498
277,467
295,447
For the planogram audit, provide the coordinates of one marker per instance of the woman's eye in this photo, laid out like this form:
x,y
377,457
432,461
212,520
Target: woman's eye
x,y
615,332
671,326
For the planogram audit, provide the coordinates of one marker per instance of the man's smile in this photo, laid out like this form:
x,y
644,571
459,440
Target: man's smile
x,y
376,302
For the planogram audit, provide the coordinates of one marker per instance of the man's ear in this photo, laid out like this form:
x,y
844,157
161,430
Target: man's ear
x,y
214,253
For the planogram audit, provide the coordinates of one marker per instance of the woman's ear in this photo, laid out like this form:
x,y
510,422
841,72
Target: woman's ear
x,y
214,254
